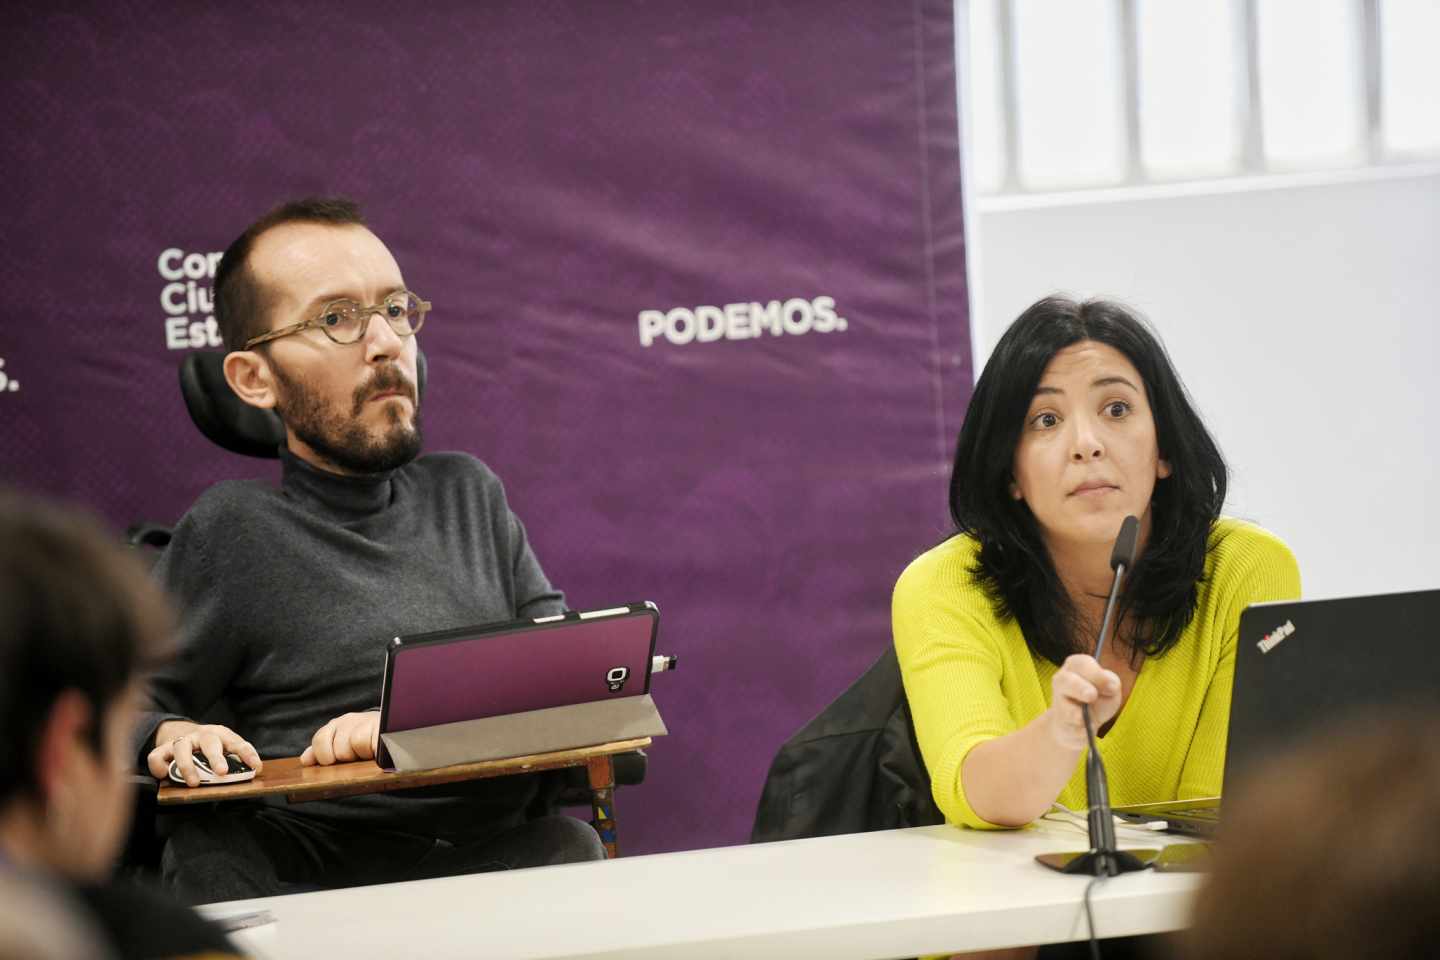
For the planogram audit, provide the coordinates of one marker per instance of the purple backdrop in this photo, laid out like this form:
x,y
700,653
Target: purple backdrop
x,y
699,285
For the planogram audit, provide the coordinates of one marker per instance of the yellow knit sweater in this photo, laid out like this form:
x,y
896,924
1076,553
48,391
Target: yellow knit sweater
x,y
969,676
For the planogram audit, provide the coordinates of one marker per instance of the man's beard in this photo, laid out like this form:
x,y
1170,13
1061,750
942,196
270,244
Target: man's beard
x,y
344,441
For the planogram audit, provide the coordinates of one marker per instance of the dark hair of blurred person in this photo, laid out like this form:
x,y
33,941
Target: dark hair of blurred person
x,y
80,624
1330,852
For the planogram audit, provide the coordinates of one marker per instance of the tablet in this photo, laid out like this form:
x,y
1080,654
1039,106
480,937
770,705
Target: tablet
x,y
519,665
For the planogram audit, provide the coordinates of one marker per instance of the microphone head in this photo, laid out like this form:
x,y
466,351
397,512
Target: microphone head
x,y
1124,552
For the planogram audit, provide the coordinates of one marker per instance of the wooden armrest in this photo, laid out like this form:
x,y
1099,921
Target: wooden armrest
x,y
285,775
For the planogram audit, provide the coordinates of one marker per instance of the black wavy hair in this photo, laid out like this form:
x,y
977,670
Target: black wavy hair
x,y
1014,566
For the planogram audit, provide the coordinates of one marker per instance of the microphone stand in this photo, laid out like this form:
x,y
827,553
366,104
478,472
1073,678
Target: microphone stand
x,y
1103,859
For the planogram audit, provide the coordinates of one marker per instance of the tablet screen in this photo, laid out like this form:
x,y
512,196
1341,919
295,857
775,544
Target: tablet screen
x,y
525,666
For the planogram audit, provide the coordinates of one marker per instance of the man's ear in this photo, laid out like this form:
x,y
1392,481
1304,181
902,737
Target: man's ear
x,y
250,376
65,742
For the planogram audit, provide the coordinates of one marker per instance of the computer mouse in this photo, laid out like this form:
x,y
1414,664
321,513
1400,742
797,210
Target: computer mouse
x,y
239,771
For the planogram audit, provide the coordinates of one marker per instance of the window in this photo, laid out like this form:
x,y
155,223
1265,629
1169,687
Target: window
x,y
1070,109
1190,60
1071,94
986,108
1410,76
1310,89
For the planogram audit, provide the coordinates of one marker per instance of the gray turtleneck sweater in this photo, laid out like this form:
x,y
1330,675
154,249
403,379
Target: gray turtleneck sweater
x,y
288,597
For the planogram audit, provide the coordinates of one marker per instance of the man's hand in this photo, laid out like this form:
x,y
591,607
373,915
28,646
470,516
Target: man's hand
x,y
179,740
349,737
1081,680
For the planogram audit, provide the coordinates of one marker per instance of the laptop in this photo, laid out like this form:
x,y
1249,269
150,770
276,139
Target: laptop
x,y
1304,664
517,666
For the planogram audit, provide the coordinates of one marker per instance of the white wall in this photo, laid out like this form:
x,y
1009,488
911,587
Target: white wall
x,y
1302,315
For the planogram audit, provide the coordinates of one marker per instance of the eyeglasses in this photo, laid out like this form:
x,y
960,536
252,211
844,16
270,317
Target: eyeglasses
x,y
344,321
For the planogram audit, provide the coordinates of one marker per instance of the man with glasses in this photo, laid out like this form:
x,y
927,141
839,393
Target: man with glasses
x,y
289,594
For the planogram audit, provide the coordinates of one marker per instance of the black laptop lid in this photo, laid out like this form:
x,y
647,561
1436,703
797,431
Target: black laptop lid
x,y
1307,664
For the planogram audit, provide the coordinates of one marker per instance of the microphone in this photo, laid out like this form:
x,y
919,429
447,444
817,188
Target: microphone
x,y
1103,859
1124,553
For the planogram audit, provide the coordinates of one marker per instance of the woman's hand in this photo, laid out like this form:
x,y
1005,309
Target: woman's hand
x,y
1081,680
1011,780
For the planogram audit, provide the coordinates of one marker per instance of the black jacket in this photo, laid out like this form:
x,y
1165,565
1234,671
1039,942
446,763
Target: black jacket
x,y
854,768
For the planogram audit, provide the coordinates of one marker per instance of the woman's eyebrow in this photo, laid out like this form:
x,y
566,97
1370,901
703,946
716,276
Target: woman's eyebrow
x,y
1111,381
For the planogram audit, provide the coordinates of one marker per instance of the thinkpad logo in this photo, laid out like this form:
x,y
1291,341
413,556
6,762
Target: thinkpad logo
x,y
1272,639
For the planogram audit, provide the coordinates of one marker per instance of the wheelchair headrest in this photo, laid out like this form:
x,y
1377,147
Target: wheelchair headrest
x,y
231,422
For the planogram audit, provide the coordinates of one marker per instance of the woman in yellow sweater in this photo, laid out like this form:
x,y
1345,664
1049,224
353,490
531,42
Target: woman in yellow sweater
x,y
1079,420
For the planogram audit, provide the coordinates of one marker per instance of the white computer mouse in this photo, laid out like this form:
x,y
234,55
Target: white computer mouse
x,y
239,771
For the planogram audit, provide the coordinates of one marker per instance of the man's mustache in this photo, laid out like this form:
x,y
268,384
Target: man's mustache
x,y
385,380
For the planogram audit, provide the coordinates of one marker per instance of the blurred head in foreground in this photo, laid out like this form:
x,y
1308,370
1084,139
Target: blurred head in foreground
x,y
79,623
1331,852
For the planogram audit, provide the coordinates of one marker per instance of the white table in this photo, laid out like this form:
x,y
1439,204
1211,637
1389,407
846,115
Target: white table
x,y
897,893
